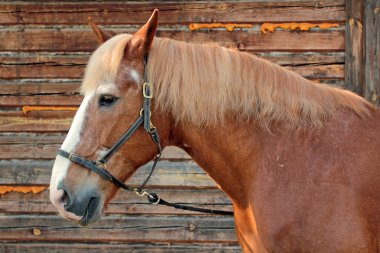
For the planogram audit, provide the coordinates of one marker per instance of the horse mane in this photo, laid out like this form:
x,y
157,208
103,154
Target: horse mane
x,y
204,83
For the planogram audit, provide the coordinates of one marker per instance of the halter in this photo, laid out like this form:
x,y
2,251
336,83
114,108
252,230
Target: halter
x,y
99,166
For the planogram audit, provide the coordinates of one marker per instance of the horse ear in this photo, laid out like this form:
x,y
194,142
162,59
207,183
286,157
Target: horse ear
x,y
101,35
141,41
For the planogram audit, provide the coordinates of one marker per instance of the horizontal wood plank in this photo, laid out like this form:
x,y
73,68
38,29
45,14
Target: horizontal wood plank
x,y
46,150
21,87
78,40
35,247
171,12
119,228
45,146
33,71
72,66
52,100
24,124
123,203
167,174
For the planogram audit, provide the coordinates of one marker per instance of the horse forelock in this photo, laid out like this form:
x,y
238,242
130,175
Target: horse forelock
x,y
104,63
203,83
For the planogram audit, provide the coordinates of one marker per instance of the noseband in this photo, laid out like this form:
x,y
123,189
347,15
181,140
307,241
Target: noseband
x,y
99,166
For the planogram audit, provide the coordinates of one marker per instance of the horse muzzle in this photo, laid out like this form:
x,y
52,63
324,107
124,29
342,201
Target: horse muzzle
x,y
85,206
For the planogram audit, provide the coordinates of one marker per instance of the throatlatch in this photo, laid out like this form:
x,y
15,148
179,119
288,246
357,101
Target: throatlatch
x,y
99,166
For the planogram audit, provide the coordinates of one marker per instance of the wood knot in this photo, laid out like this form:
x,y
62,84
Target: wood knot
x,y
374,97
351,21
320,4
222,7
192,227
36,231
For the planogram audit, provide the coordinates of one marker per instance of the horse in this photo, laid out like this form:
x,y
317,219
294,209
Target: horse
x,y
299,160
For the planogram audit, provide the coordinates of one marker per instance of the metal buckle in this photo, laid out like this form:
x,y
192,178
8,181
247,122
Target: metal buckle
x,y
101,165
71,155
142,111
150,87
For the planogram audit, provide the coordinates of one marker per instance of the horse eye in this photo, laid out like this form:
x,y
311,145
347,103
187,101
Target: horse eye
x,y
107,100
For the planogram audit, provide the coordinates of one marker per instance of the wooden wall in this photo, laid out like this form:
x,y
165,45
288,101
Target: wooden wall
x,y
44,48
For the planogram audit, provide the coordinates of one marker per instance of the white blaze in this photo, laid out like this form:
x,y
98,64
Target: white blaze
x,y
135,76
61,164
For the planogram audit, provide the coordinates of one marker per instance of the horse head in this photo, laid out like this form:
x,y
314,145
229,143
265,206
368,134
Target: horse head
x,y
113,98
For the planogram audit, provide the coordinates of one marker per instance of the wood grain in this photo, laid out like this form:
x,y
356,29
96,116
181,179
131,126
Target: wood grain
x,y
171,13
174,174
124,202
123,229
354,74
79,40
72,66
372,51
45,145
119,247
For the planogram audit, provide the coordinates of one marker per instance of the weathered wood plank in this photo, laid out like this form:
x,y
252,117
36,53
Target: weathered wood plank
x,y
72,66
25,124
37,71
37,114
32,247
45,146
42,65
171,12
304,58
51,100
47,87
119,228
354,74
169,174
372,51
319,71
32,71
123,203
77,40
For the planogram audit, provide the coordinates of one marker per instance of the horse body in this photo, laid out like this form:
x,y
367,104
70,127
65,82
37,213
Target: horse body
x,y
314,191
300,161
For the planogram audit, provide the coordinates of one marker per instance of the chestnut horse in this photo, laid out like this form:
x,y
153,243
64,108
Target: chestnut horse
x,y
299,160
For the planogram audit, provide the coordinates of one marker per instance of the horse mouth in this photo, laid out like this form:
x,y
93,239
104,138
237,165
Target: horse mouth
x,y
92,212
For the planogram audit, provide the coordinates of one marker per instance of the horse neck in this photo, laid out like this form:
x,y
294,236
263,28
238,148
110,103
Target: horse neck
x,y
226,152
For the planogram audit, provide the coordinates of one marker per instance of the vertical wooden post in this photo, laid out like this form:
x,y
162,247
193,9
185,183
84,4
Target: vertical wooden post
x,y
372,51
354,62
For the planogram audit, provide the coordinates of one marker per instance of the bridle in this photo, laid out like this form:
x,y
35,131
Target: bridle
x,y
99,166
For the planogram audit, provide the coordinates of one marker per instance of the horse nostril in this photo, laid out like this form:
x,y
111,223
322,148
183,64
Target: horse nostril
x,y
65,198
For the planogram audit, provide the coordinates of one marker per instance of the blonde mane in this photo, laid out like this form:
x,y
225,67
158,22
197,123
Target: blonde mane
x,y
203,84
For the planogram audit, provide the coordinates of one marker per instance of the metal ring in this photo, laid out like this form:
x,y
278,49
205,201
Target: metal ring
x,y
158,199
149,85
141,193
100,164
